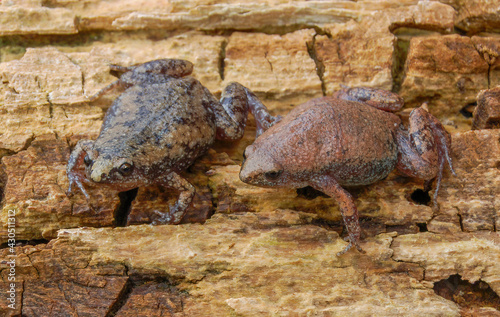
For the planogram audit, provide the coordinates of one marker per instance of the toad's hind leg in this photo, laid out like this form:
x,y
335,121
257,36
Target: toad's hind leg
x,y
424,149
152,71
377,98
169,67
232,112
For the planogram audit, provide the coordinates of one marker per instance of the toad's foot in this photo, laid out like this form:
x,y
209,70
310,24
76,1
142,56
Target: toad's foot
x,y
70,193
75,170
353,241
178,210
173,216
331,187
165,217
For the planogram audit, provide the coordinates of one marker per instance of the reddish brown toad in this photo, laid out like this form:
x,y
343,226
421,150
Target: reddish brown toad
x,y
157,128
335,141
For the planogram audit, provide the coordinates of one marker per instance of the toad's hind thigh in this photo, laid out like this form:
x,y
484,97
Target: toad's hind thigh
x,y
424,150
418,148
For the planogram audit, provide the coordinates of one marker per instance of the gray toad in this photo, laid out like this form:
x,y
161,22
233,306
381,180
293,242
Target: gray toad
x,y
157,127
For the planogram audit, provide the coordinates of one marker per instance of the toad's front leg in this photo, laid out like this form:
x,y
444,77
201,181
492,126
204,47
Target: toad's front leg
x,y
177,211
75,168
331,187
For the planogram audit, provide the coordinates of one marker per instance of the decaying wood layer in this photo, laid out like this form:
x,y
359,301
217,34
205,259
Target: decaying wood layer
x,y
264,251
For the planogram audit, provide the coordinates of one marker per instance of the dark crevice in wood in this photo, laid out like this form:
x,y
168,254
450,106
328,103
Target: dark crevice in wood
x,y
122,211
466,294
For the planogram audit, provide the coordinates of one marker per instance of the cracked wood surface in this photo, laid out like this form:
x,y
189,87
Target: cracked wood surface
x,y
265,251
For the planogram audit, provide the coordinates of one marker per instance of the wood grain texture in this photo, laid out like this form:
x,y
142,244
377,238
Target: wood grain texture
x,y
264,252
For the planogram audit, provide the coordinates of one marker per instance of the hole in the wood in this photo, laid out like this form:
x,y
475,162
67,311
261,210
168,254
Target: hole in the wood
x,y
420,197
123,210
422,227
222,57
468,110
309,193
401,229
460,221
122,299
467,295
400,54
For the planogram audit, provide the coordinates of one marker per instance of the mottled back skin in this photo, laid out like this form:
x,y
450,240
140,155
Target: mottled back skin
x,y
328,135
157,127
161,127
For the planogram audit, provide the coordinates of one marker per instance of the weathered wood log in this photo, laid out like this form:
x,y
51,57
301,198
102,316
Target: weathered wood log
x,y
263,251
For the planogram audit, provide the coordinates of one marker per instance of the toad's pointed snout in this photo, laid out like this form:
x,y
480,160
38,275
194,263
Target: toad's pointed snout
x,y
97,176
244,174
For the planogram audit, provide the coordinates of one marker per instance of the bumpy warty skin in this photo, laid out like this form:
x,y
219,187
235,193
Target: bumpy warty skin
x,y
160,127
157,127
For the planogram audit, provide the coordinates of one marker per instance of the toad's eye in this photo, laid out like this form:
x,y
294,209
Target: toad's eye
x,y
87,160
273,175
125,169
